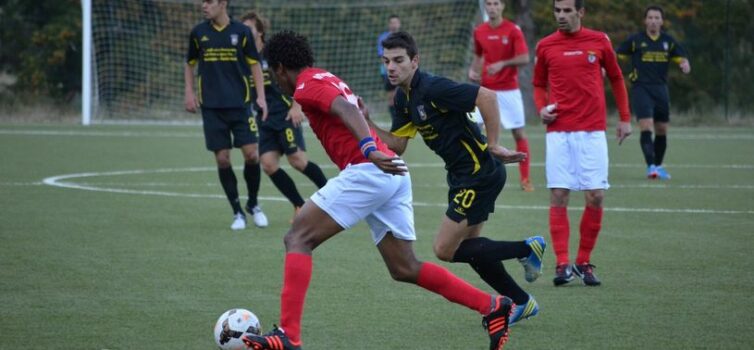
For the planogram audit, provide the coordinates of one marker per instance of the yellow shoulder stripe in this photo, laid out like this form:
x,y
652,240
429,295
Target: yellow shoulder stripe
x,y
251,61
409,130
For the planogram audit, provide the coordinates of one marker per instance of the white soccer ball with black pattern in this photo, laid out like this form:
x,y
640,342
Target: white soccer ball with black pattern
x,y
232,325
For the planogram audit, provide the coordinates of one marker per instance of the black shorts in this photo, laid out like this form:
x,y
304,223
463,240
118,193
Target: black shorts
x,y
220,123
651,101
286,141
474,198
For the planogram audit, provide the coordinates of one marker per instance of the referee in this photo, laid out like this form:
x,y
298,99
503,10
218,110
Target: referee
x,y
225,52
650,53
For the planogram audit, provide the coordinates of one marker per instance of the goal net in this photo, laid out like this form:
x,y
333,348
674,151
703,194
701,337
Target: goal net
x,y
139,46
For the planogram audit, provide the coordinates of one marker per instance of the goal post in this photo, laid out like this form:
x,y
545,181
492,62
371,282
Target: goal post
x,y
138,47
86,62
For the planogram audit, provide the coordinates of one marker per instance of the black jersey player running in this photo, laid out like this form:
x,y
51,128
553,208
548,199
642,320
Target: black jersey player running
x,y
225,52
280,133
437,108
651,52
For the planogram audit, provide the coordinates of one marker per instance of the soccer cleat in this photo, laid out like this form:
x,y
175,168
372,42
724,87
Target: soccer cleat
x,y
533,262
651,172
563,274
239,222
273,340
526,185
662,174
496,322
586,273
260,220
522,312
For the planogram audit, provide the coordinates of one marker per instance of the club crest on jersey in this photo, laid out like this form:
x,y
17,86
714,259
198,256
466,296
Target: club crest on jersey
x,y
665,45
505,40
422,112
234,39
591,57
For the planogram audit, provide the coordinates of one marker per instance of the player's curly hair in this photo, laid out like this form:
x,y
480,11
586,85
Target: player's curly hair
x,y
290,49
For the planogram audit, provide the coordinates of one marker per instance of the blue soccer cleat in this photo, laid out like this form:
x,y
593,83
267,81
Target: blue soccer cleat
x,y
522,312
533,263
652,172
662,174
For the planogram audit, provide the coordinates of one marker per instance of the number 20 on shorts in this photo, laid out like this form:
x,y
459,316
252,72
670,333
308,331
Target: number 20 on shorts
x,y
465,198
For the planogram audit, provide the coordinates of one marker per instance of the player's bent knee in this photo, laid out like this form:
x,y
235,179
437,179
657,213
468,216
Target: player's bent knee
x,y
408,273
444,253
300,240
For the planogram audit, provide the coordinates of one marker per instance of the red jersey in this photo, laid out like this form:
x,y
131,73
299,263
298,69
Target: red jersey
x,y
570,66
316,89
496,44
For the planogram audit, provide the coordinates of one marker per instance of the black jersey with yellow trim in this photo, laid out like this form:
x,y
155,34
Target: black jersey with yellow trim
x,y
650,57
278,103
224,56
438,109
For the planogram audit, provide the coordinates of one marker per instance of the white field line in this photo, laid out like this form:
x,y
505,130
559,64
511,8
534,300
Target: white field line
x,y
60,181
197,133
415,185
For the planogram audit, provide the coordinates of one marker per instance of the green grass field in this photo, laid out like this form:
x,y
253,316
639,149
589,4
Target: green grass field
x,y
116,237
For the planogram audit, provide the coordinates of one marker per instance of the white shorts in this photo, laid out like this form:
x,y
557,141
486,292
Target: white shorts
x,y
577,160
511,107
363,191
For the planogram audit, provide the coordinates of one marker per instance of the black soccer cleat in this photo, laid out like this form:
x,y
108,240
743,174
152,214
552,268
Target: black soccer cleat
x,y
586,273
273,340
496,322
563,274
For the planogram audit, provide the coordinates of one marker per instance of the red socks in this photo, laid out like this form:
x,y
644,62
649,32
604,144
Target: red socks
x,y
559,232
591,223
523,167
298,273
441,281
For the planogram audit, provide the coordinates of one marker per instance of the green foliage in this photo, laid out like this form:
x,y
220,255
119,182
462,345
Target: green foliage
x,y
42,41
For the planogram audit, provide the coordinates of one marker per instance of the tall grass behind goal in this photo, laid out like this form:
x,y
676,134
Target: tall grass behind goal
x,y
139,47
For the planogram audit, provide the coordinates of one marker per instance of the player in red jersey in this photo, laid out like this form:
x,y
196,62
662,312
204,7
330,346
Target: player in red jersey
x,y
499,49
570,97
373,185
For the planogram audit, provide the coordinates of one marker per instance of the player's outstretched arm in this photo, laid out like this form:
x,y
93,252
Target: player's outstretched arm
x,y
357,124
395,143
486,101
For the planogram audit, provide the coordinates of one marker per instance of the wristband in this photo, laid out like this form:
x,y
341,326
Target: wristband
x,y
367,145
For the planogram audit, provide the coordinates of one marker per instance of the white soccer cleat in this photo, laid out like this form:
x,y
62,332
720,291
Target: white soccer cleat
x,y
239,222
260,220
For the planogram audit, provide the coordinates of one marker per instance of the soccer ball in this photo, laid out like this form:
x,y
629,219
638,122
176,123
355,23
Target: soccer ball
x,y
233,324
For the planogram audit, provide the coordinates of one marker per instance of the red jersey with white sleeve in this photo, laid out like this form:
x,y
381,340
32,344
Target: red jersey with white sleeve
x,y
316,89
497,44
570,66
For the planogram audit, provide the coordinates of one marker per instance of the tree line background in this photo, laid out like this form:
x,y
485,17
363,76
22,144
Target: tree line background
x,y
40,48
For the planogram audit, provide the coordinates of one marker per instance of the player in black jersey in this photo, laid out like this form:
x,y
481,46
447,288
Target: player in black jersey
x,y
280,133
651,52
438,109
225,52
